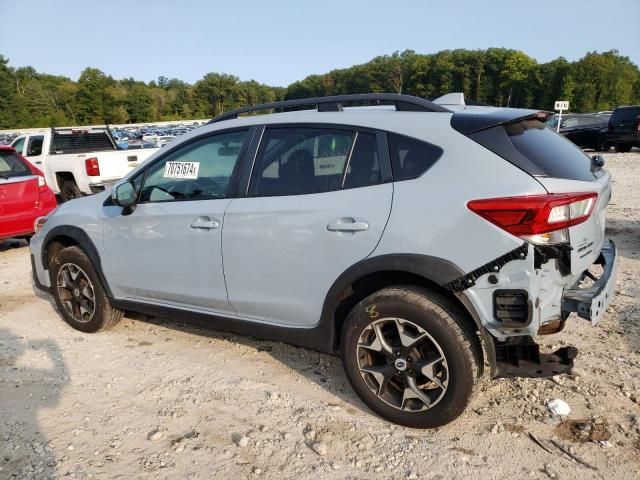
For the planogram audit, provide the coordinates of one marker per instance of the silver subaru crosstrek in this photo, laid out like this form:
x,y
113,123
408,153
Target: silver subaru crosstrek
x,y
418,239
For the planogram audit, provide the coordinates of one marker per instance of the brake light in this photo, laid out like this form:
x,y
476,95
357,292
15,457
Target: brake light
x,y
92,167
542,219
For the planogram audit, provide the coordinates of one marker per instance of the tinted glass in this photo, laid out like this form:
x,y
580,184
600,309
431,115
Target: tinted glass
x,y
34,147
296,161
199,170
410,158
551,153
364,164
626,114
12,166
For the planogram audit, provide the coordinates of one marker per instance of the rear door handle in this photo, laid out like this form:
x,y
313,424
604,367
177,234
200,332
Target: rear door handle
x,y
347,224
205,223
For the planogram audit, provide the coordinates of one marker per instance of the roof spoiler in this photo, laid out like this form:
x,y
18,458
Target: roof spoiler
x,y
467,122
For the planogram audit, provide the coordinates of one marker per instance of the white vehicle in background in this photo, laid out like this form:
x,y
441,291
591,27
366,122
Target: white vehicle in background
x,y
78,161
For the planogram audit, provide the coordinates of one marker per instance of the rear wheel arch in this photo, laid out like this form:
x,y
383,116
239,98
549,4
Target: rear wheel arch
x,y
62,177
374,274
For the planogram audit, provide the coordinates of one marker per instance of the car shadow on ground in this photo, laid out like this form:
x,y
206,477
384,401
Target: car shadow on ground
x,y
323,369
12,243
24,391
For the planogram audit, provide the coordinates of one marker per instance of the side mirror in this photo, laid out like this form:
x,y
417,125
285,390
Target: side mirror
x,y
124,195
597,162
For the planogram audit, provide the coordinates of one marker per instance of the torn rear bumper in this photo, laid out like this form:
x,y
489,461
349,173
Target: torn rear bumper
x,y
591,302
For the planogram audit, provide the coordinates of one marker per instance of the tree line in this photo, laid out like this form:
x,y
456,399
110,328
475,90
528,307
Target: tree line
x,y
496,76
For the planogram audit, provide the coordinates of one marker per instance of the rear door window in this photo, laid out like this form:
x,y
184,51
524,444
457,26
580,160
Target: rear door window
x,y
364,165
301,160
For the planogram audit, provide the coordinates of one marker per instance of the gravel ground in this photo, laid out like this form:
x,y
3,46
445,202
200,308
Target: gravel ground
x,y
159,399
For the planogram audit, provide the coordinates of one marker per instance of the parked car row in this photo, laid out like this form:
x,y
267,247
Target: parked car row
x,y
600,131
78,162
150,135
7,138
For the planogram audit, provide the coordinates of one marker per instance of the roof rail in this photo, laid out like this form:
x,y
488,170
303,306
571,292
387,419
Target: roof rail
x,y
407,103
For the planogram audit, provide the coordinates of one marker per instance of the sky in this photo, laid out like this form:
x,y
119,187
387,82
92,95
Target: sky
x,y
280,41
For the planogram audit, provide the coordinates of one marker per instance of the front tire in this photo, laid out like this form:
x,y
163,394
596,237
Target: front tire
x,y
407,356
79,294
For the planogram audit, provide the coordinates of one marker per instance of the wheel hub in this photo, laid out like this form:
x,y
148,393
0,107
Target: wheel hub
x,y
76,292
400,364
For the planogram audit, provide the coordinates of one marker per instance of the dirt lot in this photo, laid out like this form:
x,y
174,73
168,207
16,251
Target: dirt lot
x,y
158,399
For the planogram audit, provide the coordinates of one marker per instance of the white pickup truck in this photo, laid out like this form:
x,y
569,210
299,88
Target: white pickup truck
x,y
78,161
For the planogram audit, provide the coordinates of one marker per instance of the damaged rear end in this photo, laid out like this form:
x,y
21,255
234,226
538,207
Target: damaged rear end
x,y
564,265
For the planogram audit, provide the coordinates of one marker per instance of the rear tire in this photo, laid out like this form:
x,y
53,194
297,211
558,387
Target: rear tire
x,y
69,190
623,147
408,358
79,294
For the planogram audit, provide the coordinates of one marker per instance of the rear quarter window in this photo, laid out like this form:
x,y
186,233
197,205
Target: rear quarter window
x,y
410,158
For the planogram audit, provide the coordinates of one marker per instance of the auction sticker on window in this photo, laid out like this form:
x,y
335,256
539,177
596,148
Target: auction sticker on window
x,y
181,169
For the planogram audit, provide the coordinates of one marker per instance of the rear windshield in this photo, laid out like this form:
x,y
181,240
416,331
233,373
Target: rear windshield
x,y
538,150
626,113
12,166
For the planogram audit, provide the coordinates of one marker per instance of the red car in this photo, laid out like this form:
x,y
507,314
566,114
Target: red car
x,y
24,195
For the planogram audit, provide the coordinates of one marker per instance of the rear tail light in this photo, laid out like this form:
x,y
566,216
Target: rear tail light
x,y
540,219
92,167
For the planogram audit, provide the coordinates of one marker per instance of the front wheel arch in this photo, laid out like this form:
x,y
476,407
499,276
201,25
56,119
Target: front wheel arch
x,y
64,236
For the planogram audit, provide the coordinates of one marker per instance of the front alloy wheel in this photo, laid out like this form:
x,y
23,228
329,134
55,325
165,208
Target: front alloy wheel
x,y
76,292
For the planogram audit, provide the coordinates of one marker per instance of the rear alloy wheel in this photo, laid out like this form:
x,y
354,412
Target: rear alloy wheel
x,y
78,293
407,356
402,364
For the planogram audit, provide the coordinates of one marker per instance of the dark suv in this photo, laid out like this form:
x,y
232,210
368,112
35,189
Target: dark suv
x,y
624,128
586,130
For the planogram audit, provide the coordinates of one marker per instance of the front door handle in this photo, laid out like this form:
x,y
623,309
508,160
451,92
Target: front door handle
x,y
205,223
347,224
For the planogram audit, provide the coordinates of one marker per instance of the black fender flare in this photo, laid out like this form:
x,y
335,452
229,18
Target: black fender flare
x,y
85,243
434,269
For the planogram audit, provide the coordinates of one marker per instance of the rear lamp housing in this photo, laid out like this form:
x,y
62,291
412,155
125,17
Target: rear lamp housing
x,y
540,219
